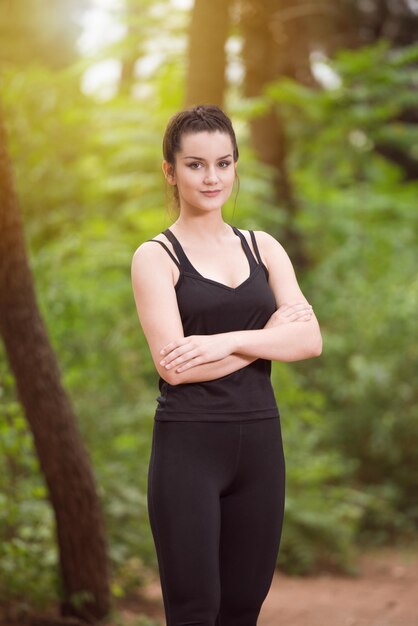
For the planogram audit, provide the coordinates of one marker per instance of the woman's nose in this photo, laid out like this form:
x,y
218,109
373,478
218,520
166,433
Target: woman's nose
x,y
211,176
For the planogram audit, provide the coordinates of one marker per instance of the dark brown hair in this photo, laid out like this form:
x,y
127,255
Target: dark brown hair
x,y
201,118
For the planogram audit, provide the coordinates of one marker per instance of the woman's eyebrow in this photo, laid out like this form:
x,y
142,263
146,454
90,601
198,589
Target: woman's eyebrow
x,y
200,158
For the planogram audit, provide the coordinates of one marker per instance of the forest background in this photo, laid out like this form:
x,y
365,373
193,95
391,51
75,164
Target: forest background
x,y
324,99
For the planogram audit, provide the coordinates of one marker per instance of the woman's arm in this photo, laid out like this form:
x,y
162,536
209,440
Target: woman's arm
x,y
290,342
160,319
298,312
294,342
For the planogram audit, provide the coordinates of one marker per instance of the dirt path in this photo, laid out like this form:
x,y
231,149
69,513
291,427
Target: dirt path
x,y
385,594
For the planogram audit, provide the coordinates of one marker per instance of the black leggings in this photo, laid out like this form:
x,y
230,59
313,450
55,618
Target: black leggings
x,y
216,503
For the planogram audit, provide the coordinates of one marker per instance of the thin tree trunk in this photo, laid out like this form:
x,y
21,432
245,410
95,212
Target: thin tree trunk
x,y
62,456
135,16
205,83
267,56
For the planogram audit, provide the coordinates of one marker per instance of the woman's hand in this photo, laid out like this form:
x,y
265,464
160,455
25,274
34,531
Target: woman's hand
x,y
196,349
286,313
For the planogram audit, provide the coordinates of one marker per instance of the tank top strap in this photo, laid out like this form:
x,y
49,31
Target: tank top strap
x,y
253,239
168,250
253,263
185,264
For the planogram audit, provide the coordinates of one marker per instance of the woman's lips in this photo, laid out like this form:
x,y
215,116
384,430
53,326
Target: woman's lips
x,y
214,192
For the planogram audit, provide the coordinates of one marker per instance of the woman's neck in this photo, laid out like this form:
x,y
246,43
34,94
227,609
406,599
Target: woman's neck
x,y
207,228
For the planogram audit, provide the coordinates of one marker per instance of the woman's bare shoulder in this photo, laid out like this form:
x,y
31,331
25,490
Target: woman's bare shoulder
x,y
148,244
259,234
264,242
147,250
151,259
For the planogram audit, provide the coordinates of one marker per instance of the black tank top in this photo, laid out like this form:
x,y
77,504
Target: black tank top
x,y
207,307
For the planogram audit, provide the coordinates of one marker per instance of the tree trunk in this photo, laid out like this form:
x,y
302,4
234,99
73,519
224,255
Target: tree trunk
x,y
135,14
266,57
205,82
62,456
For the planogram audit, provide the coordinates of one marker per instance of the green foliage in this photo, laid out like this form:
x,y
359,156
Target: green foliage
x,y
91,190
359,222
323,511
27,544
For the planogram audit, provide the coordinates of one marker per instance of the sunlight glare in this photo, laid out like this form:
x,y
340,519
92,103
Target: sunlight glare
x,y
100,26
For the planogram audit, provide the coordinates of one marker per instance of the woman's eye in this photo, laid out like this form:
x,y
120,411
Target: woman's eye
x,y
196,165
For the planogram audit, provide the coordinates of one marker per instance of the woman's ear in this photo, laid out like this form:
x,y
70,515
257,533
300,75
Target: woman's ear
x,y
168,170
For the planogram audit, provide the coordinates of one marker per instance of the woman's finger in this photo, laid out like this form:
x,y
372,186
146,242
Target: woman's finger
x,y
176,352
298,307
180,360
294,317
192,363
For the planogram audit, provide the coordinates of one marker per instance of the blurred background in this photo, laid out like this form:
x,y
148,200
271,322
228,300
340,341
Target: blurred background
x,y
323,95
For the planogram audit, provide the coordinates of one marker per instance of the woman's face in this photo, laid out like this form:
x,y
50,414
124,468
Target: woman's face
x,y
204,170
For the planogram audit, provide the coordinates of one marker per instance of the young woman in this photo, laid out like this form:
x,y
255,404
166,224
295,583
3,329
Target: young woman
x,y
217,304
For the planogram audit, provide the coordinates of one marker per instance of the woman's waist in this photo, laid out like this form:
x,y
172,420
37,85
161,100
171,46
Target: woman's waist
x,y
247,389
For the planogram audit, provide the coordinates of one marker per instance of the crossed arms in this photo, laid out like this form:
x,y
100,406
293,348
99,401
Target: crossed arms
x,y
292,333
